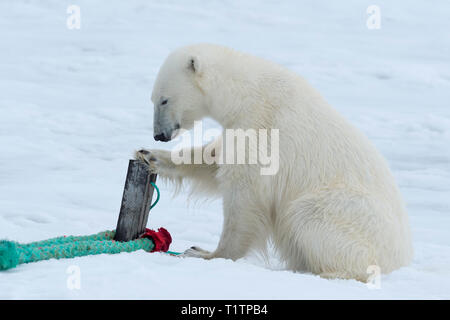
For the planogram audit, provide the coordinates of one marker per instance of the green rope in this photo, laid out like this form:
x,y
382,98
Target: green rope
x,y
13,253
157,194
174,253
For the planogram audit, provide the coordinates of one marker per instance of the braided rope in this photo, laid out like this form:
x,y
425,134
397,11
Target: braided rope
x,y
13,253
105,235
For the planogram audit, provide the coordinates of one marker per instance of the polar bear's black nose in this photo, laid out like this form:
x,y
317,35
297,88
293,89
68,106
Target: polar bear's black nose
x,y
161,137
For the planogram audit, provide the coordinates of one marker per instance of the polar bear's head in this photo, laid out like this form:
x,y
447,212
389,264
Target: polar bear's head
x,y
177,96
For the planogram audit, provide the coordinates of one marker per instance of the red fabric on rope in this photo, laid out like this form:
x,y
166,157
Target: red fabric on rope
x,y
161,239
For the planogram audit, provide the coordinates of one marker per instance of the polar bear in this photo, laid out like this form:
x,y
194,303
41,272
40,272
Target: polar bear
x,y
332,208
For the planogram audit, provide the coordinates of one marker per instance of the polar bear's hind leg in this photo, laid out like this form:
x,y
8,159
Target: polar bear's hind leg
x,y
333,234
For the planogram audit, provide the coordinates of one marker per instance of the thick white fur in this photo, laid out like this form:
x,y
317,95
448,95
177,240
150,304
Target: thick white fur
x,y
332,209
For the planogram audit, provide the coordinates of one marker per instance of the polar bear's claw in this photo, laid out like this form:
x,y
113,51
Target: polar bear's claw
x,y
196,252
147,158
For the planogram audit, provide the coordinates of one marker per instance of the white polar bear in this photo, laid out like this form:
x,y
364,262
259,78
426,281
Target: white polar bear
x,y
333,207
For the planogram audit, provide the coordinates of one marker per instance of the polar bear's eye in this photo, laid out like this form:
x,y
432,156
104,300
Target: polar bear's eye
x,y
164,102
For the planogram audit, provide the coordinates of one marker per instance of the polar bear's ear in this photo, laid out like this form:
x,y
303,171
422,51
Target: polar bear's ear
x,y
194,64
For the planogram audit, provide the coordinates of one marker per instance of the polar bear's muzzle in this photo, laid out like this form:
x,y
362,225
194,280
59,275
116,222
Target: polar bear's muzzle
x,y
165,126
166,135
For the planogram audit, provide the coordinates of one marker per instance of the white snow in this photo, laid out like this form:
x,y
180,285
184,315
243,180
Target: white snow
x,y
75,104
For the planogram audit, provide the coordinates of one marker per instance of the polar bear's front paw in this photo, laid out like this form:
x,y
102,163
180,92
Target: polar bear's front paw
x,y
157,161
197,252
147,157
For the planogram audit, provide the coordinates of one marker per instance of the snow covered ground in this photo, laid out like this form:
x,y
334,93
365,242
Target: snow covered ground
x,y
75,104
